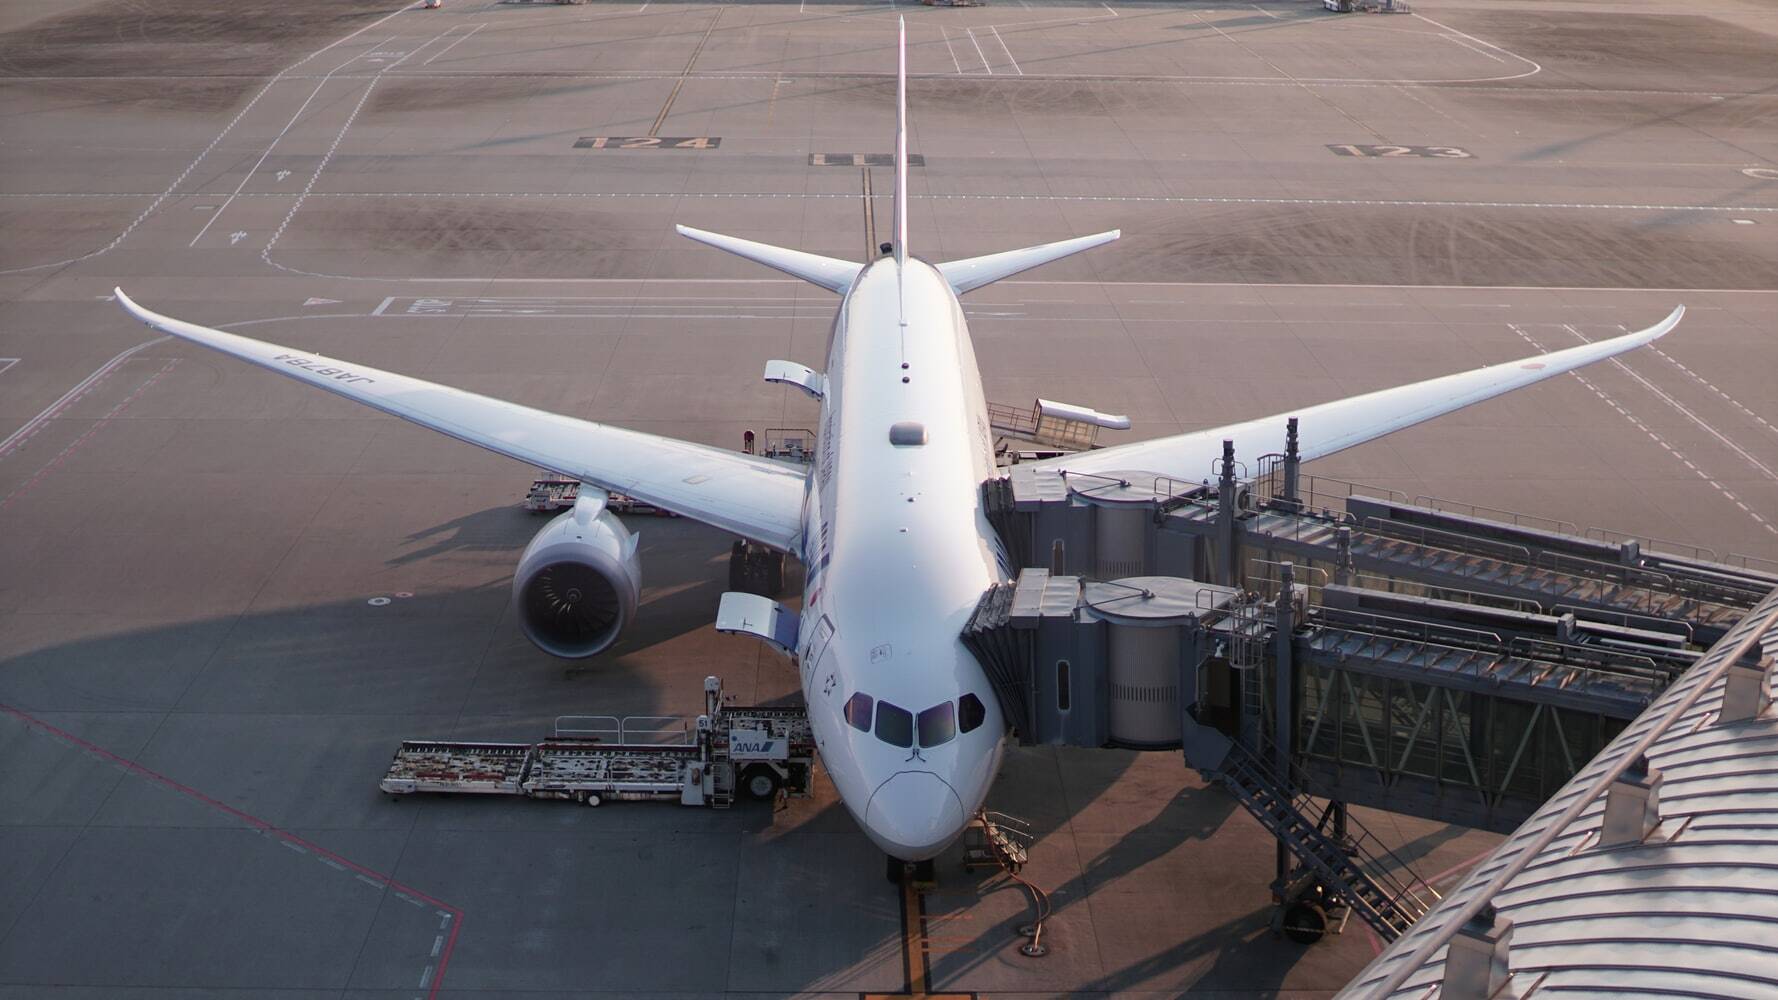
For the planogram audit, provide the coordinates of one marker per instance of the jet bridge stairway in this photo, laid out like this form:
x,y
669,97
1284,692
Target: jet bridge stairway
x,y
1334,869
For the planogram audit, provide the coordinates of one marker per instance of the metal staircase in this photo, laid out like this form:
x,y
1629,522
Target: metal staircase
x,y
1344,868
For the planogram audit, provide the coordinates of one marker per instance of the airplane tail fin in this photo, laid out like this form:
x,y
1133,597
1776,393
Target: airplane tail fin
x,y
974,272
901,145
828,272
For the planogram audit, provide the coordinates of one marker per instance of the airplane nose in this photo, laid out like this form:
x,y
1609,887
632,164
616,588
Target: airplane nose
x,y
914,815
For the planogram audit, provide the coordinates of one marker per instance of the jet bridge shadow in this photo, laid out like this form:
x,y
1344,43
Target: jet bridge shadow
x,y
1245,956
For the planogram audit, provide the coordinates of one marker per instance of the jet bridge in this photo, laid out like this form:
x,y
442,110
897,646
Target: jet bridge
x,y
1310,644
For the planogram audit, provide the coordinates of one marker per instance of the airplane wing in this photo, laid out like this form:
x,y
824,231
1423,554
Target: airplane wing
x,y
756,498
1336,426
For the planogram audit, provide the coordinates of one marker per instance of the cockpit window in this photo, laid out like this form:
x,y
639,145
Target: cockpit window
x,y
938,725
895,725
858,711
970,713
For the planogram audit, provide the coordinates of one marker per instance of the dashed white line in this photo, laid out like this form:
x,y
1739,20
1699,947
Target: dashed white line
x,y
1684,410
254,171
437,945
1706,383
367,880
1133,198
1644,428
164,195
266,253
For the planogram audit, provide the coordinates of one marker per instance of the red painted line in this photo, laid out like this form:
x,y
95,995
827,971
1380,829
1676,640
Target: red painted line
x,y
80,389
256,823
62,456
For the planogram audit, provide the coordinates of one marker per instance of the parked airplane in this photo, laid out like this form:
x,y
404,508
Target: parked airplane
x,y
888,522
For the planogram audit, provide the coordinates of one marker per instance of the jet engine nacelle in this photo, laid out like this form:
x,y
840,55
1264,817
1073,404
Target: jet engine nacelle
x,y
579,580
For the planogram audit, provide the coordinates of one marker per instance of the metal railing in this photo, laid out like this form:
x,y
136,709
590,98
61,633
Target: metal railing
x,y
1501,514
1651,542
629,730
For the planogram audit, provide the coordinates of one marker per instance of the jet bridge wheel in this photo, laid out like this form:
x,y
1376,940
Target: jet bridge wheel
x,y
1305,922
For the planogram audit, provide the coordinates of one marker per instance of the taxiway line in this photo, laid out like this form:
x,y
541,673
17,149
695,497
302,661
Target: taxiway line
x,y
660,119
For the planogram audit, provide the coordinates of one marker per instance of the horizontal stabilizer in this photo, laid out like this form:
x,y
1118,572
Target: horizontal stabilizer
x,y
974,272
831,274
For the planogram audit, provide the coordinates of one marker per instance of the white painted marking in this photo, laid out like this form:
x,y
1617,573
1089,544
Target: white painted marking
x,y
1003,48
426,977
979,52
268,152
443,919
437,945
236,236
378,602
32,425
378,311
1535,68
266,252
164,195
1132,198
1743,222
367,880
1644,428
283,175
455,42
947,36
1453,39
6,364
1706,383
1266,12
298,848
1686,411
315,300
1761,173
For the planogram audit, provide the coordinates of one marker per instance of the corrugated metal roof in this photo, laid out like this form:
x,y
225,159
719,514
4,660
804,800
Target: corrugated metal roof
x,y
1690,911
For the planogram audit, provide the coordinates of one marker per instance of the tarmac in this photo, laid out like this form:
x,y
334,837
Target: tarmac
x,y
225,600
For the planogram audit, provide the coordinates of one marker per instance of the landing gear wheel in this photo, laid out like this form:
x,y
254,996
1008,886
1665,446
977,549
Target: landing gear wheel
x,y
760,783
592,799
1305,922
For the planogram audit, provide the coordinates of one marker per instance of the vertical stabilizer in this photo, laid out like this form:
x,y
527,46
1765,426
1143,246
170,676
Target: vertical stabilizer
x,y
901,146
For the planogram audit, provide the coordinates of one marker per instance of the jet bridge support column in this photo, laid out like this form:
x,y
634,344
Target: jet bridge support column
x,y
1293,466
1228,560
1283,685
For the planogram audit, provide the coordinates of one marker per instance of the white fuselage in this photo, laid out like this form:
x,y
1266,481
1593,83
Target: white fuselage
x,y
898,551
